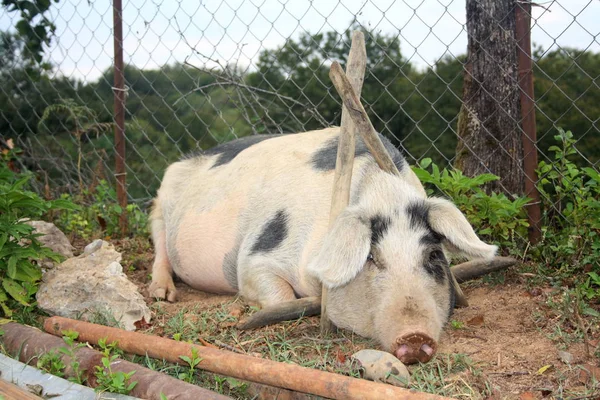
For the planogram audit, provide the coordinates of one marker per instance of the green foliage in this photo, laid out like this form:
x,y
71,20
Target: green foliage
x,y
20,251
70,338
192,362
457,324
34,28
567,96
590,288
570,198
107,379
101,214
495,216
52,363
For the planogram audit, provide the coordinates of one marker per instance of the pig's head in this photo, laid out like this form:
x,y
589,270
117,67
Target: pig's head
x,y
385,263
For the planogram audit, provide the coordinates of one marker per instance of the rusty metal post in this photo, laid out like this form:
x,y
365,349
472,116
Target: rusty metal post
x,y
119,108
530,156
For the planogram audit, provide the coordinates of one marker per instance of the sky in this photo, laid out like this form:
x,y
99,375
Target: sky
x,y
207,32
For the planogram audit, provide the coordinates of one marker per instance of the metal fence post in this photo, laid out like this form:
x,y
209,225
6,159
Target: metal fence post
x,y
529,137
119,107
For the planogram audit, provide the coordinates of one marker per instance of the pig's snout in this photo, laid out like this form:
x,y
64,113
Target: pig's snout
x,y
415,347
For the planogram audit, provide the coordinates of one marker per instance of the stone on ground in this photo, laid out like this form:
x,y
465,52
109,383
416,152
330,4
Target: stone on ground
x,y
93,287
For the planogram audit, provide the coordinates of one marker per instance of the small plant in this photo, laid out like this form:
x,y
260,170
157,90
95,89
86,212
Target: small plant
x,y
52,363
590,289
101,213
69,338
192,362
107,379
495,216
20,251
457,324
571,212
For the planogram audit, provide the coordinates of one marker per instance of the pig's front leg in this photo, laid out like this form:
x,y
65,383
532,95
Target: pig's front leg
x,y
162,286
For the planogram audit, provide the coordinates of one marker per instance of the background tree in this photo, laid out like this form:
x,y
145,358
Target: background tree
x,y
568,97
488,125
35,30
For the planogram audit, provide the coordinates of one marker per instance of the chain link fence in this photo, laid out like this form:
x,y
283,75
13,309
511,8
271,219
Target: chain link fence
x,y
203,73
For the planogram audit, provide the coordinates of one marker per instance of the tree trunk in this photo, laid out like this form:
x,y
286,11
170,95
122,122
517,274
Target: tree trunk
x,y
488,123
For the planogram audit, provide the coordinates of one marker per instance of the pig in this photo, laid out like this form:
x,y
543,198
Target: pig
x,y
251,217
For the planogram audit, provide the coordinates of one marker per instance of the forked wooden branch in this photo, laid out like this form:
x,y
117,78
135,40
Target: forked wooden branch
x,y
254,369
357,63
295,309
360,119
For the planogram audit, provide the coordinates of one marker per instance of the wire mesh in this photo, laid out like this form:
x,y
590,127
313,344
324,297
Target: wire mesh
x,y
203,73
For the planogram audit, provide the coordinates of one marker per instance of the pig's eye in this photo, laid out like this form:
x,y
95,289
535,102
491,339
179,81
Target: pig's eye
x,y
436,256
375,263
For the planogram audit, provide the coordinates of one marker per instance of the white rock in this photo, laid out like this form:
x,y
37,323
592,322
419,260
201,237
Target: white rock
x,y
93,283
381,366
53,238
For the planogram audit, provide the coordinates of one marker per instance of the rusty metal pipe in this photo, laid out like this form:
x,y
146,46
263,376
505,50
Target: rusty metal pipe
x,y
27,344
272,373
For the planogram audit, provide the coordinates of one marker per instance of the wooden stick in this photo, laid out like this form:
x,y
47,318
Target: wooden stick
x,y
272,373
360,119
28,344
355,70
307,307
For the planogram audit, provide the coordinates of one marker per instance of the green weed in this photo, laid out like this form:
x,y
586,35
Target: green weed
x,y
107,379
495,217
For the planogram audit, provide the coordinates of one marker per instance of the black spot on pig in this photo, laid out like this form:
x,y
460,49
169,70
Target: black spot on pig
x,y
418,215
273,233
228,151
431,238
379,226
436,265
324,158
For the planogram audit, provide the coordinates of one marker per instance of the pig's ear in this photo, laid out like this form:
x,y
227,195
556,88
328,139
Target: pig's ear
x,y
344,250
446,219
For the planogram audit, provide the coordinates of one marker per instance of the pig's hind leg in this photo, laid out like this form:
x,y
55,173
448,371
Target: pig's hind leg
x,y
162,285
260,282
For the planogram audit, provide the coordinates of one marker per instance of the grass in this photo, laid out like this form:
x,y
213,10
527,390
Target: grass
x,y
453,375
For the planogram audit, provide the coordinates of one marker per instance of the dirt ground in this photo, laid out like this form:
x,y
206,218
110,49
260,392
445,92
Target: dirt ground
x,y
515,340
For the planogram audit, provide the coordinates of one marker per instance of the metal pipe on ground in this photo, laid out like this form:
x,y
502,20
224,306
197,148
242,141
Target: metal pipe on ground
x,y
272,373
27,344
